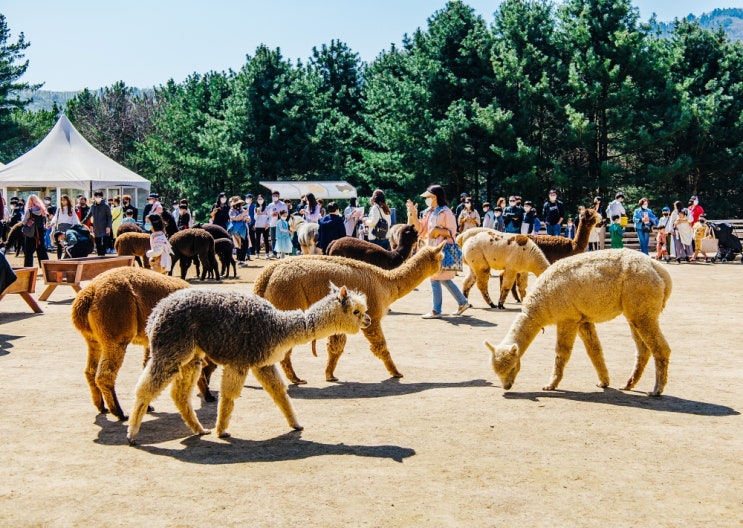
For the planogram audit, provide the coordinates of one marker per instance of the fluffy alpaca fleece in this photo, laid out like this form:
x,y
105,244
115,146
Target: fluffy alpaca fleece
x,y
364,251
300,281
514,254
216,231
133,243
111,312
307,233
128,227
579,291
194,243
240,331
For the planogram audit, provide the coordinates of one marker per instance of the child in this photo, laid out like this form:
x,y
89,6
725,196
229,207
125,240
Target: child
x,y
160,250
661,251
500,224
701,230
615,232
570,230
184,218
129,217
531,224
283,236
683,236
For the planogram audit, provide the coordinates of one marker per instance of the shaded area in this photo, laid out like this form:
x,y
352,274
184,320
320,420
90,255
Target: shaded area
x,y
636,399
6,343
353,389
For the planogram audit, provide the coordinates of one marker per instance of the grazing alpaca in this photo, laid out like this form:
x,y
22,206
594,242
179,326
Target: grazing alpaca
x,y
194,243
111,312
515,254
364,251
579,291
307,233
300,281
133,243
242,332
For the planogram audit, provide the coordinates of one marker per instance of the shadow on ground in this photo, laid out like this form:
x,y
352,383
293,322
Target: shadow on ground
x,y
352,389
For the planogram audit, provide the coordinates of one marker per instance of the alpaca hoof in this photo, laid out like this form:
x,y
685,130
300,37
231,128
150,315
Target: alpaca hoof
x,y
302,382
626,387
654,394
209,397
209,431
501,307
122,418
396,375
602,385
150,408
493,305
329,378
548,388
298,427
132,441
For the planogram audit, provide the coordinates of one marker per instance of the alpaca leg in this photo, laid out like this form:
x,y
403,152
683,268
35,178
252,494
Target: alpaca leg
x,y
483,278
94,354
642,355
336,345
650,334
233,379
105,378
378,346
508,278
181,391
587,333
286,364
271,381
207,369
154,378
566,332
522,282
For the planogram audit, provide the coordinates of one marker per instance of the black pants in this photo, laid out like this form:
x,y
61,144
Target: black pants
x,y
82,249
31,246
101,244
253,239
262,232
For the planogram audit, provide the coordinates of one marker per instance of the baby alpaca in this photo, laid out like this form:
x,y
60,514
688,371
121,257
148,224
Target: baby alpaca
x,y
579,291
240,331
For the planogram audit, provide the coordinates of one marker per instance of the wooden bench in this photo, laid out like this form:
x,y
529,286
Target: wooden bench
x,y
24,285
71,272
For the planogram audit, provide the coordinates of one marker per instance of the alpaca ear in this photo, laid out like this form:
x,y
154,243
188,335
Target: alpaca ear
x,y
343,294
440,247
489,346
333,288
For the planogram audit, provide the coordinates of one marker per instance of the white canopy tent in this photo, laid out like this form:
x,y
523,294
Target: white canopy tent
x,y
65,160
294,190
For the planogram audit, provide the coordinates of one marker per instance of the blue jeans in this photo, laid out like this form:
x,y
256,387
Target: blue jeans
x,y
554,230
644,240
453,289
384,243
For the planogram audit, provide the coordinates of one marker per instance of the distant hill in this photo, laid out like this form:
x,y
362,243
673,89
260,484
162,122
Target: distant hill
x,y
730,20
45,99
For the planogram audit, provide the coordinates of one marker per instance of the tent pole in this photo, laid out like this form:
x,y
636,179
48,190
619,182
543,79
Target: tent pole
x,y
59,200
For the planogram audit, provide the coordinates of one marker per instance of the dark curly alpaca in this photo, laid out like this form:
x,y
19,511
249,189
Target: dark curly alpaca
x,y
194,243
357,249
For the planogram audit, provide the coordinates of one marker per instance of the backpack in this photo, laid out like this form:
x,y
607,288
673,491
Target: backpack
x,y
381,228
82,231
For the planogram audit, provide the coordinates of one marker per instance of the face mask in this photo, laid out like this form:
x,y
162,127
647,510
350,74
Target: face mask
x,y
498,213
47,202
553,198
260,200
429,201
527,208
512,202
696,202
223,200
485,210
98,200
275,199
148,227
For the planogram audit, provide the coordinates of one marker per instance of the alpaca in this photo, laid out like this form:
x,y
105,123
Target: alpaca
x,y
393,235
14,239
111,312
128,227
557,247
576,293
194,243
299,281
515,254
223,248
242,332
133,243
306,233
216,231
373,254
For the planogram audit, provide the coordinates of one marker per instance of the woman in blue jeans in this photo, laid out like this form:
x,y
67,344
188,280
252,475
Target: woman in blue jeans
x,y
644,220
438,224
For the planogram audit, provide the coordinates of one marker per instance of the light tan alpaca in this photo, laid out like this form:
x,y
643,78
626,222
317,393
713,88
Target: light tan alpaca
x,y
244,333
111,312
515,254
579,291
300,281
306,233
137,244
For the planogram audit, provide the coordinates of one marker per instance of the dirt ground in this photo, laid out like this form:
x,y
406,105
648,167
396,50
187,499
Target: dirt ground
x,y
443,446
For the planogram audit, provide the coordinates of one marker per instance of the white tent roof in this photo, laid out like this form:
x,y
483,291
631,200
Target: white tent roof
x,y
65,159
294,190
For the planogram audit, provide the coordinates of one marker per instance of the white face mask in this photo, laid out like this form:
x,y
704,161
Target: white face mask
x,y
260,200
553,198
223,200
696,202
429,201
98,200
275,199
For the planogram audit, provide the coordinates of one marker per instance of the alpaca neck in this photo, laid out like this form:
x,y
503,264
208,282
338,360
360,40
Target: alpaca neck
x,y
404,279
540,263
317,322
522,332
582,234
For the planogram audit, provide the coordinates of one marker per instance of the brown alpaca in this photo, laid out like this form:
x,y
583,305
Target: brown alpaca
x,y
515,254
194,243
216,231
557,247
580,291
240,331
300,281
111,312
129,227
364,251
133,243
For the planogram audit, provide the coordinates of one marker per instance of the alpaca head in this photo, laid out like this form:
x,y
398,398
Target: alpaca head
x,y
408,235
349,308
431,256
590,217
506,362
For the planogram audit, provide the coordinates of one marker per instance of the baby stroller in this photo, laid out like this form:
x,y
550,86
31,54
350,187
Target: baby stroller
x,y
729,243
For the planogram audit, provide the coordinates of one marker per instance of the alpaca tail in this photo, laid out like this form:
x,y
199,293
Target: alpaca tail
x,y
81,307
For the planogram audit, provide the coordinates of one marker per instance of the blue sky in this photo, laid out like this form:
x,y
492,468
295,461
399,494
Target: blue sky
x,y
77,44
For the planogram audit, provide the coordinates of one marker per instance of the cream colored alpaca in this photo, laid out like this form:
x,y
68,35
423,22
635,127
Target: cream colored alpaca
x,y
488,250
299,281
579,291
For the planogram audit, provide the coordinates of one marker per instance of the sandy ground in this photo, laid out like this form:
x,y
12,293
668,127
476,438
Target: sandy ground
x,y
443,446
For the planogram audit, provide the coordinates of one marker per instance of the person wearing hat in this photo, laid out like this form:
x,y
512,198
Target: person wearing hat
x,y
438,224
553,212
462,199
100,214
695,210
237,228
220,213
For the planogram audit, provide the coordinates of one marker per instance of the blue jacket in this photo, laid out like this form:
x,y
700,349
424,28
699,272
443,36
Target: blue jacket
x,y
637,218
331,228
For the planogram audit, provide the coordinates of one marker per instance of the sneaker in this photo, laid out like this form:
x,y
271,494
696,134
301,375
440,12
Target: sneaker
x,y
462,309
431,315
